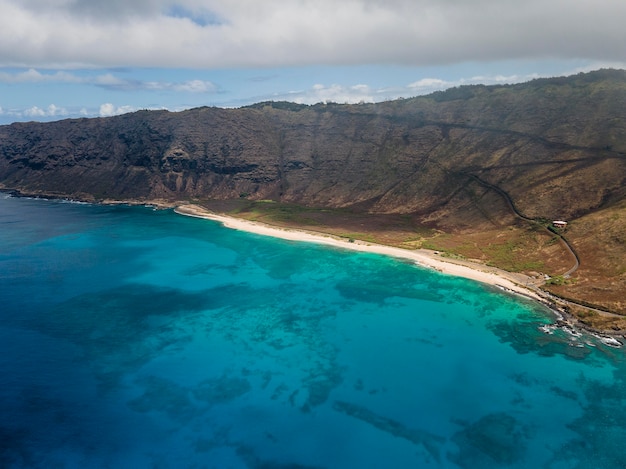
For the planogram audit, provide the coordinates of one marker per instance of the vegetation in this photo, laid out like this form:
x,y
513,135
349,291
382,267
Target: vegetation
x,y
507,256
367,237
557,280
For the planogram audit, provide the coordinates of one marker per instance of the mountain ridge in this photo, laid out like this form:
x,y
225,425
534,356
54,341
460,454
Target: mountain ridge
x,y
555,147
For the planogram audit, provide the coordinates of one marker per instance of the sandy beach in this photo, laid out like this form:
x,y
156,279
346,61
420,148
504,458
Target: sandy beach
x,y
517,283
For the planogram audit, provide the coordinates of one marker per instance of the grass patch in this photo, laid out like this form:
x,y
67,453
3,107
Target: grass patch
x,y
272,212
510,256
443,252
367,237
453,255
430,244
554,240
560,280
438,242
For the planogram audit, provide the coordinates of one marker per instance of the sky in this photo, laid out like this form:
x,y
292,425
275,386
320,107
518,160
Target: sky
x,y
97,58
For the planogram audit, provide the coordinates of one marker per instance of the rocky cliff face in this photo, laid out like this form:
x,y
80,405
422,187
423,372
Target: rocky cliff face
x,y
557,147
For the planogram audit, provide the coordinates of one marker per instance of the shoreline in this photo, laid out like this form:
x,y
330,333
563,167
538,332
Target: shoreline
x,y
512,283
506,281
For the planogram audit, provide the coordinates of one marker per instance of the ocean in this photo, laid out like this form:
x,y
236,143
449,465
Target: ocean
x,y
138,338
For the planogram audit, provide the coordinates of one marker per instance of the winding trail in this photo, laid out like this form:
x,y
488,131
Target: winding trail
x,y
520,215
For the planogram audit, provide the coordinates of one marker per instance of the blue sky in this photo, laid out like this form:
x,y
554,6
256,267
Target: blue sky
x,y
87,58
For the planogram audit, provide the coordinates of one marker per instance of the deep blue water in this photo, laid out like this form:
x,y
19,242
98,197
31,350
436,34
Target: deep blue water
x,y
134,338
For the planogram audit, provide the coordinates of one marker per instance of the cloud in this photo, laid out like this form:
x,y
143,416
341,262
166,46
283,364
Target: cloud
x,y
335,94
33,76
51,111
107,80
37,113
68,34
426,85
195,86
109,109
190,86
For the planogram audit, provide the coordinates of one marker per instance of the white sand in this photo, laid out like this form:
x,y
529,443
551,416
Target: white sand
x,y
517,283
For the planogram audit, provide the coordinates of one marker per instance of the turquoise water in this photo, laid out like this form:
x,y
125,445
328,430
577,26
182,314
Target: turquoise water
x,y
138,338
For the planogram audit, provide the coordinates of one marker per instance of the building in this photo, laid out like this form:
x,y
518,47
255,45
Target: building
x,y
559,223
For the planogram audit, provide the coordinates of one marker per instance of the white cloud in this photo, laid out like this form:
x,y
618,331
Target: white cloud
x,y
109,109
34,76
191,86
195,86
320,93
51,111
229,33
106,80
428,83
34,112
54,110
